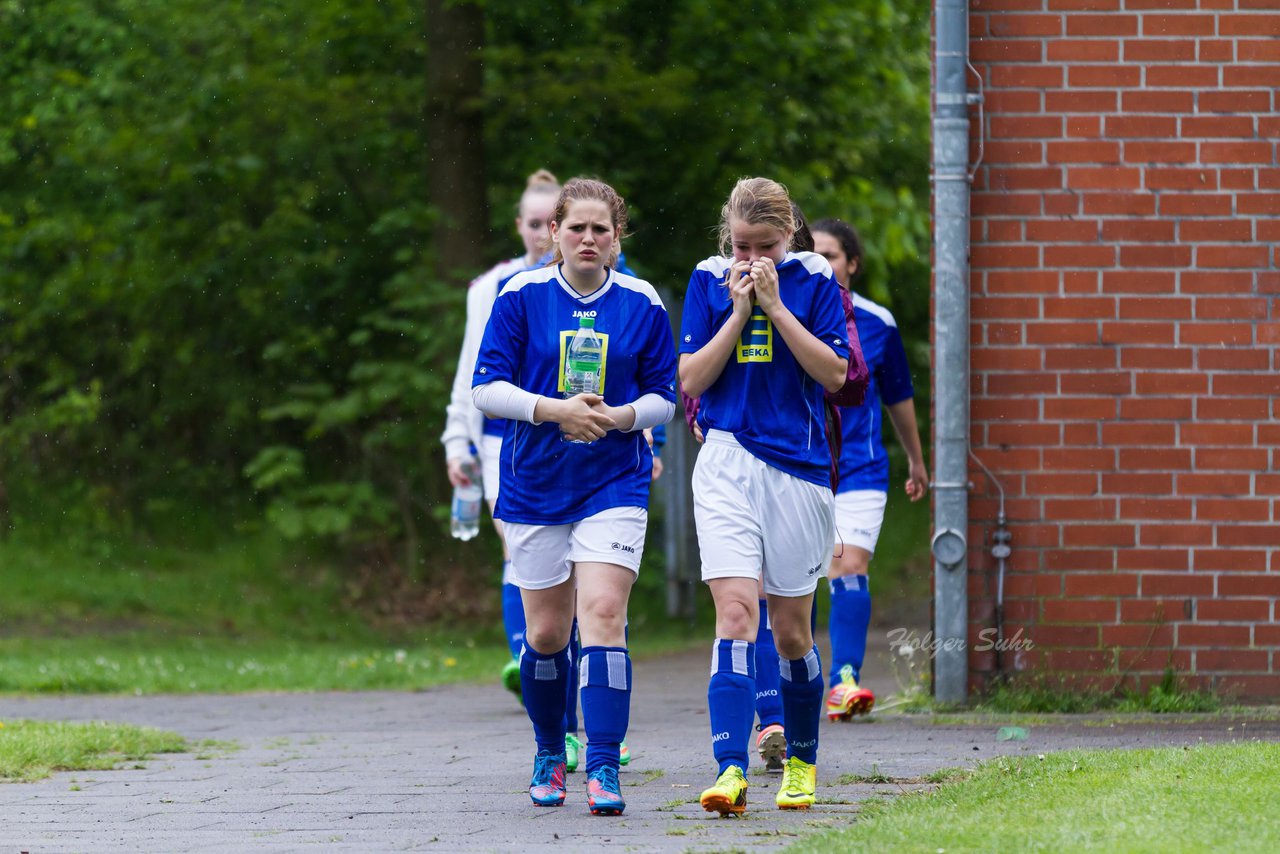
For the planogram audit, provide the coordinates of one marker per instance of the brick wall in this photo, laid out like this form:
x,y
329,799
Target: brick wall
x,y
1125,331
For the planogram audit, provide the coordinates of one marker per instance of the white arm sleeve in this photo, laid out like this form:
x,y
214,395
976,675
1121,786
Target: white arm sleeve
x,y
651,410
462,424
501,399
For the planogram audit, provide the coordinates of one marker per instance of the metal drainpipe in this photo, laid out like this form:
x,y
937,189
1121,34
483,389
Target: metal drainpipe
x,y
1001,550
951,350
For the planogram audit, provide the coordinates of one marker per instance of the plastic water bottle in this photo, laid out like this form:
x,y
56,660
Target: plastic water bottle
x,y
464,521
582,364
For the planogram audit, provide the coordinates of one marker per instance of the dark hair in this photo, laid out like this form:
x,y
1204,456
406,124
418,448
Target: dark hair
x,y
577,189
802,240
849,241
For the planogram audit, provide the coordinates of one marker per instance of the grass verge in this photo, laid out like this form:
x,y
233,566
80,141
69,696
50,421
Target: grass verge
x,y
211,604
1114,800
31,750
142,664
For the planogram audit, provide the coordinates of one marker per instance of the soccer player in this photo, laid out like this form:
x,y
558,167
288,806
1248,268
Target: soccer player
x,y
656,437
468,434
771,739
575,514
763,336
864,471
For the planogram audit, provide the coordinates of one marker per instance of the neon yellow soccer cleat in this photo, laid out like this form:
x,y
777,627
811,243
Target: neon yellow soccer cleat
x,y
729,795
799,780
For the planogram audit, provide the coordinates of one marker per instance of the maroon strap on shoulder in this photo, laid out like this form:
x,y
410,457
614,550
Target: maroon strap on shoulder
x,y
835,440
857,377
690,409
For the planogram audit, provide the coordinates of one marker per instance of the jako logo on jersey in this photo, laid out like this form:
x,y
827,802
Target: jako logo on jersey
x,y
720,736
584,314
619,547
815,569
756,344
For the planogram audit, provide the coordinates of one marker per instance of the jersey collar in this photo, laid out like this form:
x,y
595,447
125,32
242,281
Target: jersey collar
x,y
595,295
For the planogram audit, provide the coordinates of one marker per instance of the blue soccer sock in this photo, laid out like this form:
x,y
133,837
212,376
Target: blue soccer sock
x,y
571,698
802,691
731,701
850,619
512,615
544,682
768,702
605,676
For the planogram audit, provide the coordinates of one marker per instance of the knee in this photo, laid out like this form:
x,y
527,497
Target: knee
x,y
849,560
607,613
792,641
736,619
546,638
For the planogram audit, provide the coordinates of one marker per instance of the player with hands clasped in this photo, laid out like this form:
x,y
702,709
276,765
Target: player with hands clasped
x,y
575,474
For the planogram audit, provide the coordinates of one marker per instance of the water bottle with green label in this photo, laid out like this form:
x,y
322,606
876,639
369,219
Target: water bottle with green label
x,y
582,364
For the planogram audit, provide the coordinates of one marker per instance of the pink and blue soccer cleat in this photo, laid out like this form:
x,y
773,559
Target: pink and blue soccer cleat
x,y
604,796
546,789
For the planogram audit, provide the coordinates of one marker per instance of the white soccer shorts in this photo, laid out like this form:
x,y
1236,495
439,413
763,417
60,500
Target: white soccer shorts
x,y
859,517
757,521
543,556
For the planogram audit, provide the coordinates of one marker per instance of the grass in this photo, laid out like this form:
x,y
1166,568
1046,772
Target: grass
x,y
1049,695
140,664
248,584
91,603
1207,797
31,750
247,613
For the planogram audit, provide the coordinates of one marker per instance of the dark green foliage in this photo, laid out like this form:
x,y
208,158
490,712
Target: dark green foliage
x,y
215,246
1047,694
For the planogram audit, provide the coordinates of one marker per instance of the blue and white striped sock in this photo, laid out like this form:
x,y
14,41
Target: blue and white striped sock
x,y
571,689
768,701
512,616
605,675
802,688
544,681
850,618
731,700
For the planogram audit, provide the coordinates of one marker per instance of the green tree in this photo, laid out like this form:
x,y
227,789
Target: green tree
x,y
222,226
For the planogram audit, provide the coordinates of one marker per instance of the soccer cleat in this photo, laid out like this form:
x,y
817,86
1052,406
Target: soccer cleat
x,y
604,796
547,789
624,754
772,744
511,678
799,781
729,795
572,751
846,699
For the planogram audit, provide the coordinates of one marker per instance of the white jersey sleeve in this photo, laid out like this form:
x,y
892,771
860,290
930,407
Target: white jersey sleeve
x,y
463,423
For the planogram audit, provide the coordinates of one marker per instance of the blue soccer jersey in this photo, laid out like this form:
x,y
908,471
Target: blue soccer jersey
x,y
544,480
864,463
498,426
763,396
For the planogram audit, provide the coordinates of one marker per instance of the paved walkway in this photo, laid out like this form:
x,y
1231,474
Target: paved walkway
x,y
447,770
